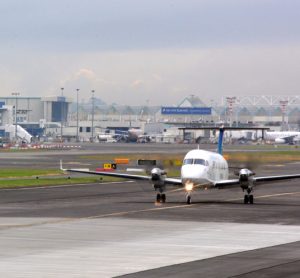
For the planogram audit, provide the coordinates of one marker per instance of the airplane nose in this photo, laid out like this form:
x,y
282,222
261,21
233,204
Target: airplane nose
x,y
192,172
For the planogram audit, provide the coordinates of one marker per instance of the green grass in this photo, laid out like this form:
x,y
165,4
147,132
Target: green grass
x,y
15,173
15,183
264,156
12,178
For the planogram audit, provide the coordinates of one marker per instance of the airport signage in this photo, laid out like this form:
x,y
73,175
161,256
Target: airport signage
x,y
146,162
186,110
109,166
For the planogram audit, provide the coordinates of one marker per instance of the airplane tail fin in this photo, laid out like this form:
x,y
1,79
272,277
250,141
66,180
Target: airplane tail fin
x,y
61,166
220,140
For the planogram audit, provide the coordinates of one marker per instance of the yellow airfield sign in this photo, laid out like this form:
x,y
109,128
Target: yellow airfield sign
x,y
109,166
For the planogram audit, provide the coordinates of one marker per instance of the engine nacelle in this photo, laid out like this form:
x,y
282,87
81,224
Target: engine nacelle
x,y
158,177
246,178
280,141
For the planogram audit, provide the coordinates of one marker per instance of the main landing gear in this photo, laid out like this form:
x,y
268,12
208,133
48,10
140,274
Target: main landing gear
x,y
161,198
248,198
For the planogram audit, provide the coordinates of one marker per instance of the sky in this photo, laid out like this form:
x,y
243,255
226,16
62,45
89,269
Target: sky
x,y
157,52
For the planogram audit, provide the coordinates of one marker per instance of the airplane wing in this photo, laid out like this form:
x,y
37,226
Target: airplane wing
x,y
226,183
257,180
109,174
289,139
277,178
168,181
173,181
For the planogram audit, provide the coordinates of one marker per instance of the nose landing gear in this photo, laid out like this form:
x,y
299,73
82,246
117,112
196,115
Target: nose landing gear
x,y
248,198
188,198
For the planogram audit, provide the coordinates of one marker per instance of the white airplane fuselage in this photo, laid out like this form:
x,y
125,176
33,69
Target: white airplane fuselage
x,y
203,168
278,136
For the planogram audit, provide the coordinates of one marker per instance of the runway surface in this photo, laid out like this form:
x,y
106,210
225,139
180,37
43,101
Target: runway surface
x,y
116,229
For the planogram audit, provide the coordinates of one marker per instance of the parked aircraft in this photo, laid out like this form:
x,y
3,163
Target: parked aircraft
x,y
283,137
106,137
201,169
130,135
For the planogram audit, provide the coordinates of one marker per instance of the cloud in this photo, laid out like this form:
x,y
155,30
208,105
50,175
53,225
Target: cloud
x,y
164,76
85,73
157,77
86,79
137,83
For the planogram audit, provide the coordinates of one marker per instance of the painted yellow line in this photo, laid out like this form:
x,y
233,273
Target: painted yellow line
x,y
275,195
66,220
134,211
122,213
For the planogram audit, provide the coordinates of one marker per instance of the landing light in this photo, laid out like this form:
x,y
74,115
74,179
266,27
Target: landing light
x,y
189,186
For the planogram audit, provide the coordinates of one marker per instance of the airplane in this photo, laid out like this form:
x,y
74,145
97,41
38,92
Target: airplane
x,y
131,135
201,169
106,137
283,137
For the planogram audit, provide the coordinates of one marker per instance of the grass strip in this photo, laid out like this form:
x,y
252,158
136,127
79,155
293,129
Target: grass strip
x,y
16,183
19,172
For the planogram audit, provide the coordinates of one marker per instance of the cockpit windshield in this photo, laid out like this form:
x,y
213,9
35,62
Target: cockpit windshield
x,y
197,161
188,161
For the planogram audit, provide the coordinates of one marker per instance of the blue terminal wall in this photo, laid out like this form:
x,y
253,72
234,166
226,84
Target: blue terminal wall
x,y
59,111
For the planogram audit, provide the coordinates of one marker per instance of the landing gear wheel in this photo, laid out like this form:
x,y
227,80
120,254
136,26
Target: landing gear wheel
x,y
188,200
158,198
163,198
251,199
246,199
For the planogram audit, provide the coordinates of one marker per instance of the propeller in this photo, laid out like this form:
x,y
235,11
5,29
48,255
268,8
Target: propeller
x,y
249,165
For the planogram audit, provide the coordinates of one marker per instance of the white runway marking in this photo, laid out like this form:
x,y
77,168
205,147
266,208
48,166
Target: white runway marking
x,y
106,247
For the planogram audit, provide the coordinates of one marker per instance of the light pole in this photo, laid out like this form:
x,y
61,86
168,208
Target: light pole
x,y
230,103
61,113
77,135
283,106
16,119
93,111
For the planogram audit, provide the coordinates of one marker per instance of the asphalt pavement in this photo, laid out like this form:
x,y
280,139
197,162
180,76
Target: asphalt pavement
x,y
115,229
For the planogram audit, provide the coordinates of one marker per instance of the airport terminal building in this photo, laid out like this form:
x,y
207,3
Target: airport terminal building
x,y
45,116
32,112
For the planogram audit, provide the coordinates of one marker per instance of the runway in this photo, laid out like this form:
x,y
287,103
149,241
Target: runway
x,y
107,230
116,229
